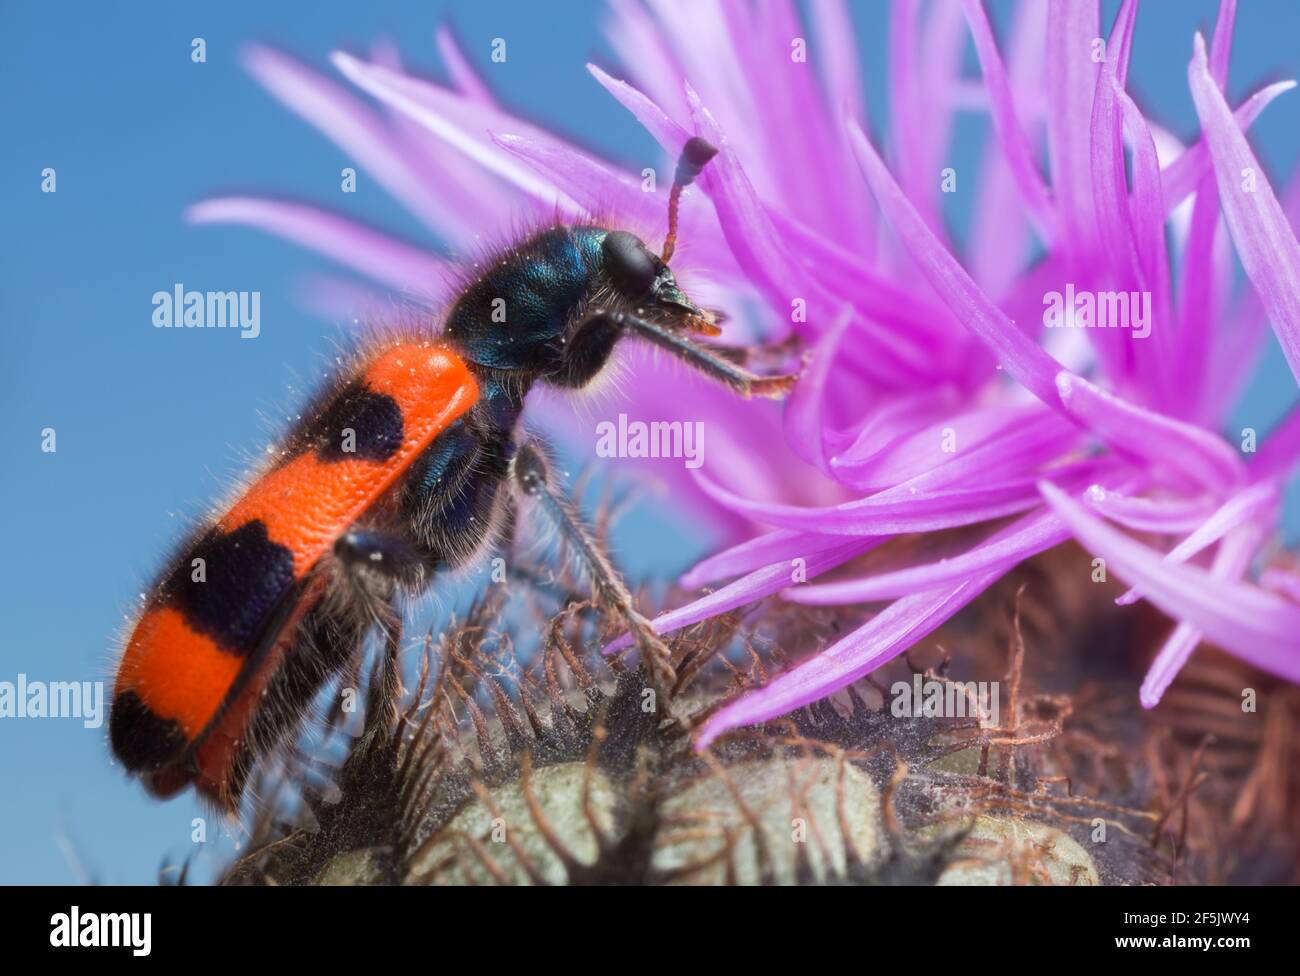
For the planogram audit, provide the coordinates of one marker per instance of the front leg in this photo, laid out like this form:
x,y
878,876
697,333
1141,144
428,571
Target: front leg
x,y
593,341
587,352
530,473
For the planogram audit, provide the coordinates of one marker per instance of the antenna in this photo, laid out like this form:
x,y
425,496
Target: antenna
x,y
695,156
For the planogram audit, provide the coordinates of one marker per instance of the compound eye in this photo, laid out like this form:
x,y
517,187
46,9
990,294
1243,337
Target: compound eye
x,y
631,266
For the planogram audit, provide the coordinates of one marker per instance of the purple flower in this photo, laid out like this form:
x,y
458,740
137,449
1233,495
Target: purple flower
x,y
1080,393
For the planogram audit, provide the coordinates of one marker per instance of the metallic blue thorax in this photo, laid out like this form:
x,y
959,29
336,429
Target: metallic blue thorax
x,y
525,300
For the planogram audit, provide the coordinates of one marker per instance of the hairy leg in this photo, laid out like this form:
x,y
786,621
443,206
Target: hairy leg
x,y
530,472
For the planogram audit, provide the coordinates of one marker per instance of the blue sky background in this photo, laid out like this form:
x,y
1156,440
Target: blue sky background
x,y
153,424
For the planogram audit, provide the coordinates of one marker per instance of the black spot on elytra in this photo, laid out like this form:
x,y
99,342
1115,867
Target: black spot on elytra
x,y
375,420
142,739
245,575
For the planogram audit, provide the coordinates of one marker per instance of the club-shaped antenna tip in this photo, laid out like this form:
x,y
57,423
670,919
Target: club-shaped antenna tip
x,y
695,156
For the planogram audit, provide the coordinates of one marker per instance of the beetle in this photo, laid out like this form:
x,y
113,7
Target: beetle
x,y
395,475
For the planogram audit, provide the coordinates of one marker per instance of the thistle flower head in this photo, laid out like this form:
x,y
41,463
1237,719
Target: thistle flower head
x,y
1067,373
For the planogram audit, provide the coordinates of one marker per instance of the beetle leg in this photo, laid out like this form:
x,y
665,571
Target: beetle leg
x,y
530,472
590,347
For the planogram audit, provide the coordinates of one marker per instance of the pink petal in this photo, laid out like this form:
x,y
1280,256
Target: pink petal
x,y
767,259
1113,221
1003,550
602,191
1258,627
1199,298
804,424
343,299
748,589
384,50
1221,43
1280,452
656,121
895,511
1198,302
1072,26
777,251
385,259
888,634
893,419
1164,515
463,123
838,56
1119,46
1016,146
463,75
354,127
814,168
1169,660
641,46
1023,358
1281,581
755,553
876,294
1161,442
1181,176
1153,358
1239,339
1231,561
921,81
999,239
991,441
1265,242
1245,506
713,43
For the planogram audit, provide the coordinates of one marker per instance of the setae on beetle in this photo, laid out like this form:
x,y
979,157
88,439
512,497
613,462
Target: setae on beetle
x,y
395,474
